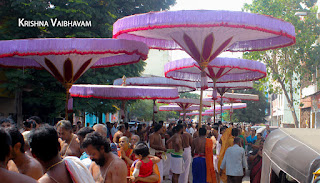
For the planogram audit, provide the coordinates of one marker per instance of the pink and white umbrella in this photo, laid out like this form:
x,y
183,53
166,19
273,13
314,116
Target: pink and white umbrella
x,y
230,107
221,100
204,34
185,103
235,97
68,58
240,96
178,108
183,86
220,70
221,88
123,92
197,113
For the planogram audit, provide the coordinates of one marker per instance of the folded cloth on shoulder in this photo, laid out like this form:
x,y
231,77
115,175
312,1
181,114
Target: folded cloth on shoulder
x,y
78,171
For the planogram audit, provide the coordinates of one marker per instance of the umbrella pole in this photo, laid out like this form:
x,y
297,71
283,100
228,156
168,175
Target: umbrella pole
x,y
153,110
214,103
67,86
214,111
221,109
184,115
201,106
231,112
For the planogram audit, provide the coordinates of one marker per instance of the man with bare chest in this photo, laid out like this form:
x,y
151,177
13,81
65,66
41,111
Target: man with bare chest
x,y
118,134
186,144
111,168
70,144
202,151
157,148
21,162
127,132
5,175
45,148
176,160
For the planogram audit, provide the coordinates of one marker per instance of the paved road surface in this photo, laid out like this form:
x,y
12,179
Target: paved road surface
x,y
246,179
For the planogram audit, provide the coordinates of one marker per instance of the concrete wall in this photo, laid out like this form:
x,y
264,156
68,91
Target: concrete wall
x,y
155,63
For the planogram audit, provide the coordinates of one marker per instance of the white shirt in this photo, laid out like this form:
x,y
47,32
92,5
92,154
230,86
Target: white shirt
x,y
191,131
133,129
234,161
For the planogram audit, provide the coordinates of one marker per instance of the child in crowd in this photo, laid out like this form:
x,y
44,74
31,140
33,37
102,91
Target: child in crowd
x,y
143,166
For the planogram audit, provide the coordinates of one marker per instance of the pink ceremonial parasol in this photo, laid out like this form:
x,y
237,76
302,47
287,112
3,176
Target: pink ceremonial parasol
x,y
183,86
123,92
221,100
204,34
68,58
235,97
197,113
220,70
221,88
230,107
178,108
185,103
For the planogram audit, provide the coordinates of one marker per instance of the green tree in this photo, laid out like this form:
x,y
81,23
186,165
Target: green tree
x,y
287,66
255,112
47,96
143,110
189,95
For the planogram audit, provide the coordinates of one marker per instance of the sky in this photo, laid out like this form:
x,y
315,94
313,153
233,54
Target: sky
x,y
232,5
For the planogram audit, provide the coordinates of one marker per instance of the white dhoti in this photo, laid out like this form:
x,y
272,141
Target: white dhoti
x,y
160,167
77,170
166,165
183,178
176,164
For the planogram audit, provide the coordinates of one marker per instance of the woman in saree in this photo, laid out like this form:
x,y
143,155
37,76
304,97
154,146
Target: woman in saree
x,y
256,165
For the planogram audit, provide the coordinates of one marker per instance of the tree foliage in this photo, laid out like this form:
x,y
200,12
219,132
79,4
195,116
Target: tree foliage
x,y
189,95
47,96
288,66
255,112
143,110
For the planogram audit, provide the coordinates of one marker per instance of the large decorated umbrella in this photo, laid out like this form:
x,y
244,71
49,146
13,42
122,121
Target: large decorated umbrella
x,y
235,97
123,92
183,86
242,96
178,108
221,88
221,70
230,107
221,100
185,103
204,34
68,58
197,113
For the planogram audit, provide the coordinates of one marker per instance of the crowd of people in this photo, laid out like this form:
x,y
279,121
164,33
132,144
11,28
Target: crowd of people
x,y
116,153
